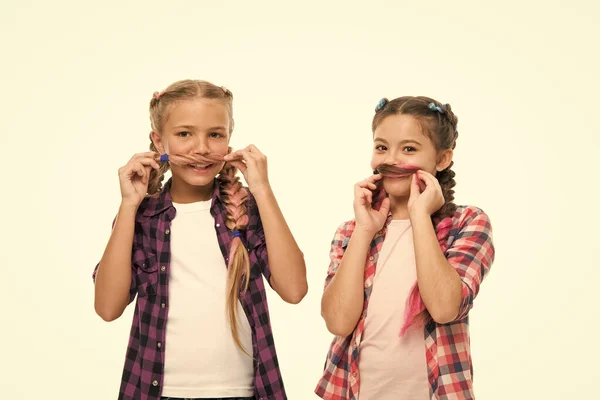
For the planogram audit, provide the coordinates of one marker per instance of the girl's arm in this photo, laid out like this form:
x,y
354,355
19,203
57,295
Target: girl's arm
x,y
113,276
286,262
448,286
342,301
439,284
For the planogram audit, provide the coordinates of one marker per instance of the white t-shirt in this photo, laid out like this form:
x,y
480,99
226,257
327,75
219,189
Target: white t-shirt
x,y
393,367
201,357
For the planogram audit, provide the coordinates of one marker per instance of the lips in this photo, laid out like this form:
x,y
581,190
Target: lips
x,y
201,166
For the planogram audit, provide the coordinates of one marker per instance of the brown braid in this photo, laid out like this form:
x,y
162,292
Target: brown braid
x,y
156,177
234,197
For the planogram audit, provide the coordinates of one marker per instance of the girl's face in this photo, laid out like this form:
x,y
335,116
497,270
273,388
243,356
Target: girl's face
x,y
399,140
195,126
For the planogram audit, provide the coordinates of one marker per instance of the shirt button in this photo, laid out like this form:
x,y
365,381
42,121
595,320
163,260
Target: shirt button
x,y
159,345
167,231
371,258
154,383
163,268
218,225
163,305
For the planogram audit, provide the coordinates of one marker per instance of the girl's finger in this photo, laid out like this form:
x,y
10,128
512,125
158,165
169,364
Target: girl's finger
x,y
385,206
149,161
415,190
374,178
234,155
428,180
368,196
241,165
145,154
146,176
368,185
253,149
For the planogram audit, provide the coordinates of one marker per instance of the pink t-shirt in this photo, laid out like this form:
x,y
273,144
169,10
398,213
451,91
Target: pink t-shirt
x,y
393,367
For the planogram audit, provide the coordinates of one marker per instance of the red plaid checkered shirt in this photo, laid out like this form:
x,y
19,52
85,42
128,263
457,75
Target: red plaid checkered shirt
x,y
143,371
447,350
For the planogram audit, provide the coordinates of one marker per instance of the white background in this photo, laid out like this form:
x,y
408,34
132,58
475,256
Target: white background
x,y
75,84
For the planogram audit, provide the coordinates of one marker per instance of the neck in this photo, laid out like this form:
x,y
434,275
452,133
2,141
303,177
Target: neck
x,y
183,193
399,207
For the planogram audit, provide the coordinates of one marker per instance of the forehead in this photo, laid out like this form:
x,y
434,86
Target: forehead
x,y
400,127
200,113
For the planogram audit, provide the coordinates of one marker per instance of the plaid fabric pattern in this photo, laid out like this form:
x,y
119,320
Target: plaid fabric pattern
x,y
449,367
142,377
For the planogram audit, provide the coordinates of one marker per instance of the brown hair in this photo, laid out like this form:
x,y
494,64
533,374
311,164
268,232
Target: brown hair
x,y
440,124
234,195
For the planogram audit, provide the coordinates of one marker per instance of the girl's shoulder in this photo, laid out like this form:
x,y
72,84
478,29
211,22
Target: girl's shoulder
x,y
469,216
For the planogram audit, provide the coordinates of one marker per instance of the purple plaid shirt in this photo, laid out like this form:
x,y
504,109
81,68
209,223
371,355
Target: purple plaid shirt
x,y
144,364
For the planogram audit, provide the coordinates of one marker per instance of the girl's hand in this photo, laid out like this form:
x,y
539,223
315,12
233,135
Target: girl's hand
x,y
425,194
367,218
133,178
253,165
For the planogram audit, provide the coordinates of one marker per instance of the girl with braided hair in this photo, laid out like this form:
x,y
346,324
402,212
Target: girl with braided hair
x,y
194,253
404,273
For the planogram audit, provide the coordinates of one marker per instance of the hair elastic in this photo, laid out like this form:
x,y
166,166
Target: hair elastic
x,y
434,107
236,233
381,104
164,157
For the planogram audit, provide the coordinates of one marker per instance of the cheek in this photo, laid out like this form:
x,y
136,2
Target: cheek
x,y
220,147
376,160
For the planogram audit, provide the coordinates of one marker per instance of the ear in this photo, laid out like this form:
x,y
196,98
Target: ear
x,y
444,160
158,143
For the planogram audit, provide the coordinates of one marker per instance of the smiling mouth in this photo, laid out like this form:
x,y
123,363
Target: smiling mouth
x,y
201,167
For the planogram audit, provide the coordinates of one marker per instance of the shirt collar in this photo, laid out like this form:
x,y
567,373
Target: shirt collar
x,y
162,201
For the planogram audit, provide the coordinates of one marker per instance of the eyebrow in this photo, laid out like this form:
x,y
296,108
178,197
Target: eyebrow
x,y
191,128
378,139
410,141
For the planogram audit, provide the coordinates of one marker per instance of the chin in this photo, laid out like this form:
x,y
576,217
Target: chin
x,y
397,187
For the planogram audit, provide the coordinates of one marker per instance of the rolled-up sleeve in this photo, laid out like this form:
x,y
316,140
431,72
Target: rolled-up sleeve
x,y
339,244
471,254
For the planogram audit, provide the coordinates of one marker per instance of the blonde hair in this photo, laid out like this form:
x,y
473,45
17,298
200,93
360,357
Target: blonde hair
x,y
234,195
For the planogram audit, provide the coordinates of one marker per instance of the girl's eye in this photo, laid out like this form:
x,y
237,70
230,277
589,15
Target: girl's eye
x,y
409,149
381,148
216,135
183,134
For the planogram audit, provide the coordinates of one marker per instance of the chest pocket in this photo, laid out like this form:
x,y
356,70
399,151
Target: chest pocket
x,y
146,269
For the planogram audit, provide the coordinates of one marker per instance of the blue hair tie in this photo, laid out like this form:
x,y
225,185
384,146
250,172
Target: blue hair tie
x,y
434,107
164,157
236,233
381,104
